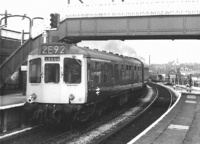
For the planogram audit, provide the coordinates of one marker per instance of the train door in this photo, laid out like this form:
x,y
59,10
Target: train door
x,y
34,77
51,81
74,74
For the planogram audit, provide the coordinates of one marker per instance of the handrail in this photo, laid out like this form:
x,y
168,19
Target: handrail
x,y
15,60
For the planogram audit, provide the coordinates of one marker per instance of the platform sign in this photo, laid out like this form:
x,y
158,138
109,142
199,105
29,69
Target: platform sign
x,y
54,49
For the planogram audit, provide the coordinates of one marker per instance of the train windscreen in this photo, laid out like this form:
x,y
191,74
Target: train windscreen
x,y
72,70
35,70
52,73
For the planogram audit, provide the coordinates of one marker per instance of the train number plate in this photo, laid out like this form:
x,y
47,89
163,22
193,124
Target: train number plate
x,y
51,49
52,59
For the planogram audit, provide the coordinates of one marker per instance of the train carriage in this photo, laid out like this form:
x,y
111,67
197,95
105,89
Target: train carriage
x,y
64,79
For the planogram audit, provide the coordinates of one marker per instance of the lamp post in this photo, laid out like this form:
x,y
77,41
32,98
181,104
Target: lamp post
x,y
31,23
23,17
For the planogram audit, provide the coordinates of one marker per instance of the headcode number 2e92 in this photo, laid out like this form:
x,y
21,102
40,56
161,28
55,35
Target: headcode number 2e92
x,y
53,49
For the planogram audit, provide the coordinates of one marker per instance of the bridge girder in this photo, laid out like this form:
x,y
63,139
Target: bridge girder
x,y
133,27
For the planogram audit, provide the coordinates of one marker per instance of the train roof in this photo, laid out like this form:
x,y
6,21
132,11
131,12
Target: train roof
x,y
95,54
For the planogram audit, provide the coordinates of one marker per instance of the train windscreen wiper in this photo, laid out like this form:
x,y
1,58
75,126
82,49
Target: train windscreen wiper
x,y
78,61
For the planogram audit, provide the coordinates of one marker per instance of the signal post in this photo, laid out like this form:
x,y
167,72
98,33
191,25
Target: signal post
x,y
50,35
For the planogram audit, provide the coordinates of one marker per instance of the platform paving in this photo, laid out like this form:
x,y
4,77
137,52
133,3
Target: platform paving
x,y
180,125
11,112
12,100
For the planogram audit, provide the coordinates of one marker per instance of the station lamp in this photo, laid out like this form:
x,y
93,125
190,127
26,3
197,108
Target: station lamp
x,y
55,20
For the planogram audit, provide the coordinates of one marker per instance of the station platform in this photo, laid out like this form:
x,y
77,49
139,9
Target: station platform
x,y
11,111
12,100
179,125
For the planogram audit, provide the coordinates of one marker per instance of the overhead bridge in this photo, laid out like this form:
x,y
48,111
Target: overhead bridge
x,y
151,19
146,27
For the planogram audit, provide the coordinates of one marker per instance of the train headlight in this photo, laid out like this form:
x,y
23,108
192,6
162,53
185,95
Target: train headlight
x,y
31,98
71,97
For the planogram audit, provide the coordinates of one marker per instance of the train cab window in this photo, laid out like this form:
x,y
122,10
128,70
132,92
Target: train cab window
x,y
52,73
72,70
35,70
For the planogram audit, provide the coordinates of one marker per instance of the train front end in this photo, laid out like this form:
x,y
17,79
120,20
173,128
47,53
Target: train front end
x,y
56,82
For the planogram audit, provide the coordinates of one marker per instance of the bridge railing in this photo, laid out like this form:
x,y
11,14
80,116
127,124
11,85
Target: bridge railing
x,y
13,34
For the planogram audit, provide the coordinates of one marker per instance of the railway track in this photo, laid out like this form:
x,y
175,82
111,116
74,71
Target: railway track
x,y
101,130
50,133
165,99
114,122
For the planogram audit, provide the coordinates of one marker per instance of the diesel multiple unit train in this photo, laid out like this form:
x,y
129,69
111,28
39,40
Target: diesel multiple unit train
x,y
65,81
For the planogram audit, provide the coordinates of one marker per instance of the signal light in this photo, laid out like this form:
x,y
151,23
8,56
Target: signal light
x,y
55,20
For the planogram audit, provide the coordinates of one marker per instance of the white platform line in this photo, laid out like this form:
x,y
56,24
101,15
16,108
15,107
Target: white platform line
x,y
154,124
192,102
11,106
191,96
178,127
16,132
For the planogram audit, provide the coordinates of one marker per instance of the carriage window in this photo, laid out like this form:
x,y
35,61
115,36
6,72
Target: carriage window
x,y
105,78
97,65
116,68
88,71
72,70
35,71
52,73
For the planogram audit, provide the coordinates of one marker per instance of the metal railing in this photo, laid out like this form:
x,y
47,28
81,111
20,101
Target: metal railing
x,y
13,34
15,60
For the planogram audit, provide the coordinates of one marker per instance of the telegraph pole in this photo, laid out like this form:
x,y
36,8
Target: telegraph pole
x,y
5,17
23,17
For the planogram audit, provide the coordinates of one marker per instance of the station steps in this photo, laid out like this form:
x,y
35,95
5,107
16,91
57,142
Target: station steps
x,y
17,58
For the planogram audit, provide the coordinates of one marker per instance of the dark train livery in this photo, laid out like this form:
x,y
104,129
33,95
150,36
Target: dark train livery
x,y
67,81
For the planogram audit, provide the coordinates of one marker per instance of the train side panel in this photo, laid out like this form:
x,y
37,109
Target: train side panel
x,y
110,78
